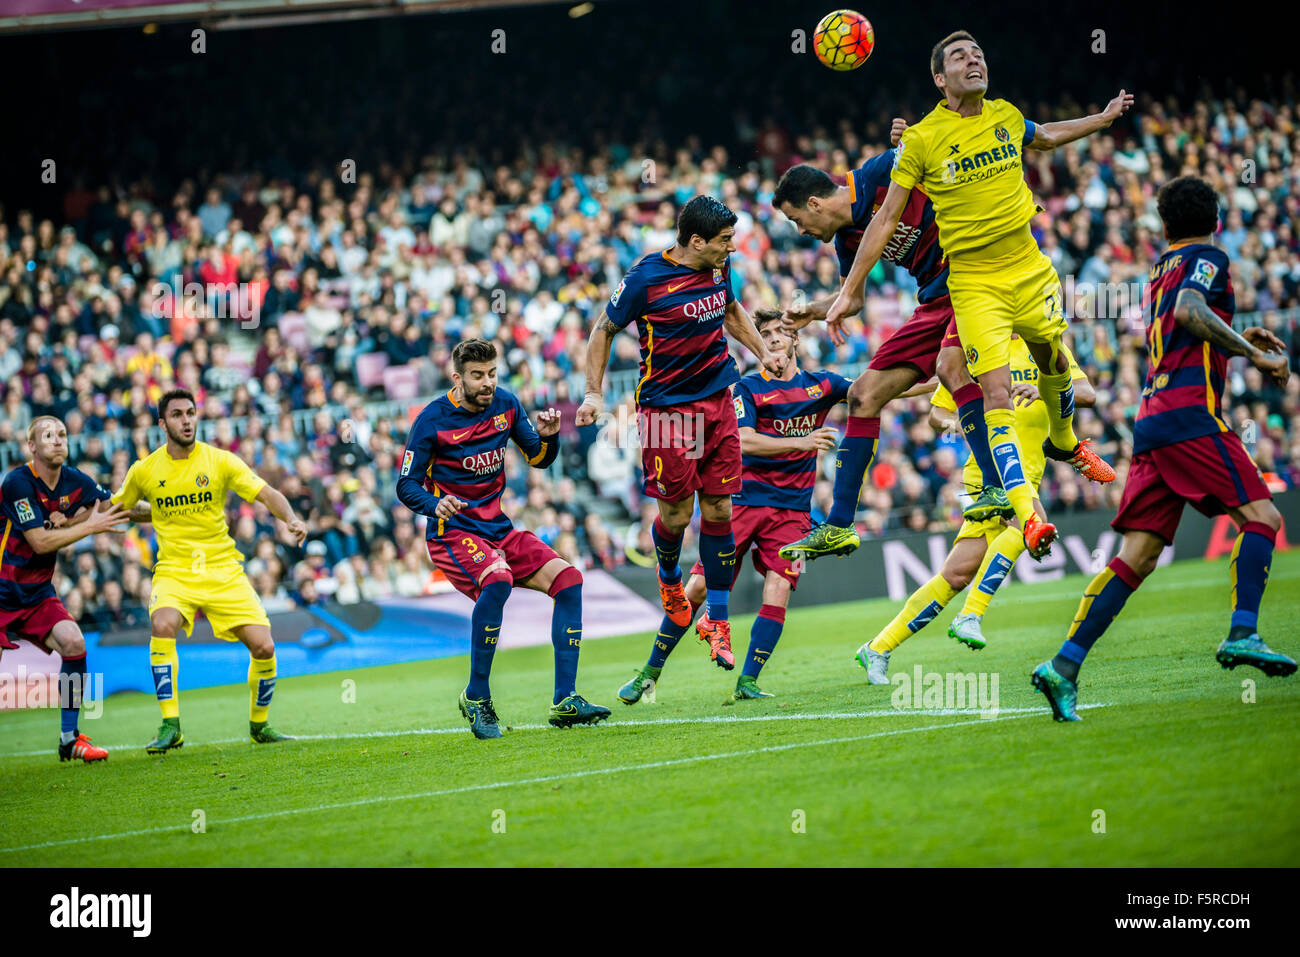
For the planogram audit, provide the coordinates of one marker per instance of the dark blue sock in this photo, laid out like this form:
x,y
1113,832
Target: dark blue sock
x,y
1102,601
666,641
763,638
667,548
484,632
857,449
566,637
718,556
1249,572
72,683
970,412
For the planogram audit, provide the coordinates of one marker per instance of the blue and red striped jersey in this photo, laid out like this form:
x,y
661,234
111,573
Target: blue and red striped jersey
x,y
678,313
783,409
453,450
1183,395
26,502
915,243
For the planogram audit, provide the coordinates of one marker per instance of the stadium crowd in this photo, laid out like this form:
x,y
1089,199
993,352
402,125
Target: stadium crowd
x,y
329,308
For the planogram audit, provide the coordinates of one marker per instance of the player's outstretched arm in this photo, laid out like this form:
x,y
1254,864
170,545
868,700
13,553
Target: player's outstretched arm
x,y
852,295
1048,136
598,346
1193,313
101,517
753,442
279,506
740,326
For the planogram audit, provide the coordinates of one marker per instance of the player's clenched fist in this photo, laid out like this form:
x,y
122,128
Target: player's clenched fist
x,y
590,408
548,422
448,506
298,529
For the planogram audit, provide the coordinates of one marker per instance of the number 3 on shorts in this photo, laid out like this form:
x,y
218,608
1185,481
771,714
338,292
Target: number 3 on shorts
x,y
469,544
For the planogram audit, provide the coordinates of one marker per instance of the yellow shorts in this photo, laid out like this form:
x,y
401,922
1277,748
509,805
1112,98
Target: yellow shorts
x,y
992,298
988,530
225,596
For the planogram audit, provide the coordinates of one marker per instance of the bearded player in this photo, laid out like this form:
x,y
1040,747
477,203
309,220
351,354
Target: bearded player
x,y
47,505
966,155
780,418
453,471
186,483
983,553
923,345
681,300
1183,450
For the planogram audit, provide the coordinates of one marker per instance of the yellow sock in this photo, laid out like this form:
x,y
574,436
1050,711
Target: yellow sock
x,y
998,559
1005,447
166,670
1057,392
261,685
919,610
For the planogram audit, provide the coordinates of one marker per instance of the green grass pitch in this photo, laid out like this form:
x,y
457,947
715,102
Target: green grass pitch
x,y
1176,769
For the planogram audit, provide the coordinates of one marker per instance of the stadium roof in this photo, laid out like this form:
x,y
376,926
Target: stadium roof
x,y
54,15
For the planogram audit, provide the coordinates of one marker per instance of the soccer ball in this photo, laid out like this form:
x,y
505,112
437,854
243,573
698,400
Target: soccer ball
x,y
844,39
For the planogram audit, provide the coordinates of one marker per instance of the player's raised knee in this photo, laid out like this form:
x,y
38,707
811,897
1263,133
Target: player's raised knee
x,y
568,577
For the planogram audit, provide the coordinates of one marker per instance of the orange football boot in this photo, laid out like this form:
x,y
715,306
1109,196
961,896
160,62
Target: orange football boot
x,y
81,748
1083,460
718,635
676,606
1039,535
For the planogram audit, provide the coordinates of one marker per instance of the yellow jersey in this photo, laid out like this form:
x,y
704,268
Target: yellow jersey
x,y
187,498
1032,426
971,169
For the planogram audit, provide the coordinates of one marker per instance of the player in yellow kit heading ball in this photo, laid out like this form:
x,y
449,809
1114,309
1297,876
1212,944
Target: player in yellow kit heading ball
x,y
966,155
186,484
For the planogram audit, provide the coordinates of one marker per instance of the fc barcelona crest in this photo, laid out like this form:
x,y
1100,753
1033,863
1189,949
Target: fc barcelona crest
x,y
814,391
717,275
500,423
64,502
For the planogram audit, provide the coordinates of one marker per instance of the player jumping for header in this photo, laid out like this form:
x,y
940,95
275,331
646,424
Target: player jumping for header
x,y
966,155
453,471
781,420
681,300
923,345
1183,449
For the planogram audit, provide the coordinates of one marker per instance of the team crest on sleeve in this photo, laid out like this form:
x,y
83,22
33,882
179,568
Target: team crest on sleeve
x,y
24,509
613,300
201,480
1204,273
898,153
407,459
814,391
499,422
740,408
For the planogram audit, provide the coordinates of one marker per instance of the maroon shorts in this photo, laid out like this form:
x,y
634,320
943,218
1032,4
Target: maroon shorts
x,y
33,623
764,530
466,558
1212,472
916,342
950,337
691,447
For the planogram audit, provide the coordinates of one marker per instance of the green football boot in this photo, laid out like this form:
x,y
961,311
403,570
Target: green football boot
x,y
481,715
747,689
822,540
992,502
1251,650
575,709
169,736
1061,692
263,733
643,682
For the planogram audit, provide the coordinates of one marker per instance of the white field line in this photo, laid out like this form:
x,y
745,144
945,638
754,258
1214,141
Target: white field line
x,y
569,776
615,723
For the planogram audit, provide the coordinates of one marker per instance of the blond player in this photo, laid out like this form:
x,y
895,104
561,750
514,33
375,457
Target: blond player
x,y
186,483
983,552
965,154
